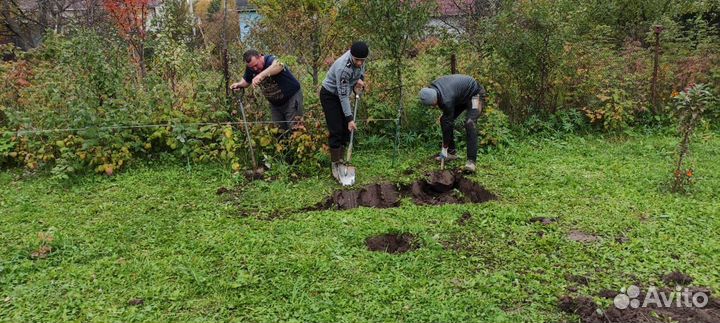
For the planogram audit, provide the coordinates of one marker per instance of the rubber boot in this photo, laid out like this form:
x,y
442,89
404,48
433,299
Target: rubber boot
x,y
470,166
336,155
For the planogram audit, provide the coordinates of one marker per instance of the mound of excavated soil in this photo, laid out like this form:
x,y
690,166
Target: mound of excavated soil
x,y
444,187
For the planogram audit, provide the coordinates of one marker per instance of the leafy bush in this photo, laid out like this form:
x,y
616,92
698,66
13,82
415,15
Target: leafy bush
x,y
494,129
101,118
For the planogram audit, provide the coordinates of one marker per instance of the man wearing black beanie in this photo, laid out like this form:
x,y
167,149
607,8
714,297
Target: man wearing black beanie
x,y
345,75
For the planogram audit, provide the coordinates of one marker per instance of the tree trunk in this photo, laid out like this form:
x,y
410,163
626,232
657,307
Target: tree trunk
x,y
316,50
315,72
138,52
226,68
398,74
656,68
453,63
544,66
23,37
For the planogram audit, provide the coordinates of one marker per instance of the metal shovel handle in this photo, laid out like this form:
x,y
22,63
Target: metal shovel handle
x,y
352,133
247,133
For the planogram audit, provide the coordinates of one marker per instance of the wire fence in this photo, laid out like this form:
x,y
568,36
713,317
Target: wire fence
x,y
162,125
221,30
232,26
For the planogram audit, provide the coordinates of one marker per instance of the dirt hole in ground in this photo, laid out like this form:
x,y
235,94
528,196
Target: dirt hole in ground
x,y
136,302
444,187
543,220
642,306
677,278
583,237
42,252
578,279
255,174
392,243
463,220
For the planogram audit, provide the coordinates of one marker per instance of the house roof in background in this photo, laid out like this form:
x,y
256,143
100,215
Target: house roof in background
x,y
84,4
450,8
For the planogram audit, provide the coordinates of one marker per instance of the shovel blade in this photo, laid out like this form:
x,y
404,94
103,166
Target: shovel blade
x,y
347,175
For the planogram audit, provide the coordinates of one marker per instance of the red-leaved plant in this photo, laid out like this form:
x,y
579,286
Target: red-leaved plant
x,y
130,18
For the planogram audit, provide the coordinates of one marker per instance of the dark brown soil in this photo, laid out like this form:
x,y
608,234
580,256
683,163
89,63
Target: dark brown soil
x,y
582,306
677,278
582,280
463,220
622,239
444,187
136,302
383,195
222,190
255,174
543,220
391,243
609,294
42,252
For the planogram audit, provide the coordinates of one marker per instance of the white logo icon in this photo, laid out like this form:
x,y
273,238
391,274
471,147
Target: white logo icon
x,y
678,298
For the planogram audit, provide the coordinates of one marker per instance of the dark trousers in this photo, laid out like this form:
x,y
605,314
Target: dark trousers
x,y
471,117
287,115
335,119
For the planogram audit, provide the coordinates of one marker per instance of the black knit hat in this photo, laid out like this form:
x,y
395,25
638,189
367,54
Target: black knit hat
x,y
359,50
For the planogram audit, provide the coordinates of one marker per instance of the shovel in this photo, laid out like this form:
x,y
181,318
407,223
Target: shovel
x,y
347,173
255,173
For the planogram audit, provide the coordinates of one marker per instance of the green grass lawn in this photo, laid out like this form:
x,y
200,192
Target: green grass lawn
x,y
160,233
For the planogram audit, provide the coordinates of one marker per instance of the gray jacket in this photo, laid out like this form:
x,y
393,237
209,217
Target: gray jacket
x,y
341,80
456,89
455,93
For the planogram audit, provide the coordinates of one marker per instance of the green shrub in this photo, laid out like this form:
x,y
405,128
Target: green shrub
x,y
101,119
494,129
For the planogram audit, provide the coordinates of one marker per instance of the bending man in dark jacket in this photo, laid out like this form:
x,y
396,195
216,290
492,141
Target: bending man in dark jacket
x,y
454,94
278,84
